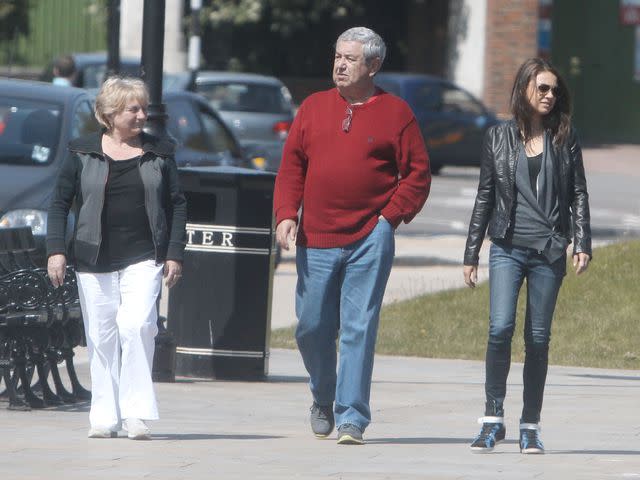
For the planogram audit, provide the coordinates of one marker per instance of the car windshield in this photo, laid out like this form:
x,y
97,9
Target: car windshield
x,y
426,96
195,127
29,131
247,97
421,95
93,75
390,86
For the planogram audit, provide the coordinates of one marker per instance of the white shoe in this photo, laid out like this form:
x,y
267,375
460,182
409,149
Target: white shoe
x,y
136,429
102,433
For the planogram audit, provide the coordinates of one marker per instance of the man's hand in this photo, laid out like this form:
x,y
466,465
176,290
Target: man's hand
x,y
56,268
172,272
581,262
285,233
471,275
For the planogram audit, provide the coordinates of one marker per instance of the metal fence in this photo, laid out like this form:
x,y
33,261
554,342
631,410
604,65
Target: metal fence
x,y
57,27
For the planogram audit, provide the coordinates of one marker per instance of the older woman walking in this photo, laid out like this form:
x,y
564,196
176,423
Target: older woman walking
x,y
129,232
532,198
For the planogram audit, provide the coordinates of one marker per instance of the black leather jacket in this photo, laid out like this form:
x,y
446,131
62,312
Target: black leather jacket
x,y
496,191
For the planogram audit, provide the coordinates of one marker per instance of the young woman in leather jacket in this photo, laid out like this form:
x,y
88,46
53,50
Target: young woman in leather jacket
x,y
532,199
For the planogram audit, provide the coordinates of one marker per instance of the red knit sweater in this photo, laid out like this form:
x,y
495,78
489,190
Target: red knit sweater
x,y
344,180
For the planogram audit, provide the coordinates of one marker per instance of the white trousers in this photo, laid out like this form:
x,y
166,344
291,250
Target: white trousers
x,y
120,315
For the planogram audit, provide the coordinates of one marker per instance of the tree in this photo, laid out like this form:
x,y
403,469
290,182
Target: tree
x,y
14,19
293,37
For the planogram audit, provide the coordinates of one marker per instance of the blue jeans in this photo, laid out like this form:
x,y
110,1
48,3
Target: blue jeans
x,y
508,267
341,290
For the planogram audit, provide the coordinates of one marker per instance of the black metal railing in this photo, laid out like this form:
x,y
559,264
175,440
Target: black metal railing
x,y
39,327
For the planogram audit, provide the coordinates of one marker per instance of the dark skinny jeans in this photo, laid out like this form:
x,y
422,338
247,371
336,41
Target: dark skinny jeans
x,y
508,267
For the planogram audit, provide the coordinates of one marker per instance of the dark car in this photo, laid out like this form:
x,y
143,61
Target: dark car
x,y
258,108
37,120
452,121
91,67
202,138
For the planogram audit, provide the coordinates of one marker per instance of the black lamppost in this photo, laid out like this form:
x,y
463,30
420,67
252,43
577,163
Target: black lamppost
x,y
152,55
194,43
164,369
113,38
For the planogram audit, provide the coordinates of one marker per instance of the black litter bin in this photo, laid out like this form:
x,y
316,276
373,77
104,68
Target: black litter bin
x,y
220,311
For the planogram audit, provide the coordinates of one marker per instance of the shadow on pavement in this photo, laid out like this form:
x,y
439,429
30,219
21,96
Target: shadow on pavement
x,y
267,379
287,379
210,436
426,441
594,452
83,406
71,407
606,377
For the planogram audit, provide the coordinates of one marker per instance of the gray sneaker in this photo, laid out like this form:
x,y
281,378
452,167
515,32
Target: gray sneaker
x,y
321,419
349,434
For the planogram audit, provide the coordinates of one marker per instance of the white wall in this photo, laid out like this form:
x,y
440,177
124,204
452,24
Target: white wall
x,y
131,33
467,24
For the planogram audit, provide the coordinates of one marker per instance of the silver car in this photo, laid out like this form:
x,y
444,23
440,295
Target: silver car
x,y
258,109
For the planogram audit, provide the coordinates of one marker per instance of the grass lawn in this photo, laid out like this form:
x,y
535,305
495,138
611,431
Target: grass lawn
x,y
596,323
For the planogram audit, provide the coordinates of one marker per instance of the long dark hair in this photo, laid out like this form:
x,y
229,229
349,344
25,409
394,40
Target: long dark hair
x,y
558,120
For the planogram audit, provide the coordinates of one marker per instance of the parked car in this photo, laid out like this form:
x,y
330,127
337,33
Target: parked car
x,y
452,121
202,138
91,67
258,108
37,120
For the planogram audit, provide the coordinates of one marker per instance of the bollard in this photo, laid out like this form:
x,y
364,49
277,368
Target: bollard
x,y
164,359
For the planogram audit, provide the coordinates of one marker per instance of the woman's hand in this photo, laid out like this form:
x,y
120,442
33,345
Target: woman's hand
x,y
56,268
172,272
471,275
581,262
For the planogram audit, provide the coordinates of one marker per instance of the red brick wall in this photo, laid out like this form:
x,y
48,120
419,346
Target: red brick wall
x,y
511,38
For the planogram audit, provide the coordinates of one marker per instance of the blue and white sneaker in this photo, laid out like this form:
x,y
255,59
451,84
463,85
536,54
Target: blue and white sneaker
x,y
491,433
530,442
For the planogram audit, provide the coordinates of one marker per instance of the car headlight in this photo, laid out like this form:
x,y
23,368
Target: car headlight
x,y
36,219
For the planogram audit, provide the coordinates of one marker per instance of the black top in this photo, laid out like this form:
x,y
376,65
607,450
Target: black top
x,y
126,235
496,200
84,173
536,210
535,163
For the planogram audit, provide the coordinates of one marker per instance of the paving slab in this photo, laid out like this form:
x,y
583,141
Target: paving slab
x,y
424,410
424,416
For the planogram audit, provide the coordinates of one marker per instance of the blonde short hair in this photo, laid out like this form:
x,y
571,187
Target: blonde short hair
x,y
114,95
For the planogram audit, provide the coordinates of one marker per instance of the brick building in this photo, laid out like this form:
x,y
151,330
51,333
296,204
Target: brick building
x,y
511,37
488,40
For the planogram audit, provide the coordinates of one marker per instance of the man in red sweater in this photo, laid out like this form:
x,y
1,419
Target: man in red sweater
x,y
356,162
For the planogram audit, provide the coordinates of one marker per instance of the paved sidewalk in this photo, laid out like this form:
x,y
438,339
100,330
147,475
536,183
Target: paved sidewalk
x,y
424,413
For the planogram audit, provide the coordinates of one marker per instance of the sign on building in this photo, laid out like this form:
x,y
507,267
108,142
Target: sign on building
x,y
630,12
